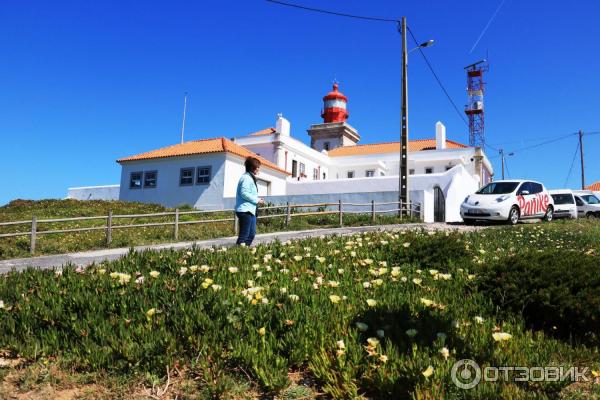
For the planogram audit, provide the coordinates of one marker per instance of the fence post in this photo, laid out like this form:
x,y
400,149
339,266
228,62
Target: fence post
x,y
109,228
33,234
288,214
400,209
410,208
341,213
235,224
372,211
176,230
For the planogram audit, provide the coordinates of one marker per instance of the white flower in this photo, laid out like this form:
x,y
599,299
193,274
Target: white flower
x,y
298,258
233,270
333,284
445,352
371,302
1,304
216,287
283,290
373,342
428,372
478,319
417,281
182,271
154,274
366,285
340,344
139,280
293,297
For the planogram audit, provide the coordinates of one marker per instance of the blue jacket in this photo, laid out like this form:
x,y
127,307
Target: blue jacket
x,y
246,197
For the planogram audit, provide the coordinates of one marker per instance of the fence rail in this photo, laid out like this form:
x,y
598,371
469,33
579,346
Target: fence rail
x,y
409,209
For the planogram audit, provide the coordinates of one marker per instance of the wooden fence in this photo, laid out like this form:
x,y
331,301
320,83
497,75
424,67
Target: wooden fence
x,y
410,210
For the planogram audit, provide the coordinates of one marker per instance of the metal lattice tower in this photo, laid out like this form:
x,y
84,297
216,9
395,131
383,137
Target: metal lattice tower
x,y
474,108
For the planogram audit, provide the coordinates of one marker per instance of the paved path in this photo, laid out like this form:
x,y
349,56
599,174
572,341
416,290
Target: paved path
x,y
96,256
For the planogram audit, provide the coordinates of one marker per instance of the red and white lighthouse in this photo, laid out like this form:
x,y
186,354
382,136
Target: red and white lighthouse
x,y
334,106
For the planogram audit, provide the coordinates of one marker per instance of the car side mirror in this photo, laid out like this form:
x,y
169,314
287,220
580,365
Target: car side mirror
x,y
524,192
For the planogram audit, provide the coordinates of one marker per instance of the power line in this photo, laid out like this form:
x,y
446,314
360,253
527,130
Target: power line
x,y
506,166
572,163
460,114
544,143
339,14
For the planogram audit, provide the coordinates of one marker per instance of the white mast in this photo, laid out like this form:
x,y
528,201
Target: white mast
x,y
183,122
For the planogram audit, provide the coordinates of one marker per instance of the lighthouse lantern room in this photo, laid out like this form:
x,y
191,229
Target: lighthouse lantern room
x,y
334,106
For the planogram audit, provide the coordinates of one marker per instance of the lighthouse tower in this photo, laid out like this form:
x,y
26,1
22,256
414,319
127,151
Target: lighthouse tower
x,y
334,131
334,106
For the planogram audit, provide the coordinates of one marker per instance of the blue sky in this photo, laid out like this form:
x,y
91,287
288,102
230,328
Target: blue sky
x,y
84,83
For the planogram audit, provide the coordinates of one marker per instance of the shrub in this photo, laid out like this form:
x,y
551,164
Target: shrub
x,y
557,291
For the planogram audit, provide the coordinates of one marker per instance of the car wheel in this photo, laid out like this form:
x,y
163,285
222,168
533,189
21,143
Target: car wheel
x,y
514,215
469,221
589,215
549,214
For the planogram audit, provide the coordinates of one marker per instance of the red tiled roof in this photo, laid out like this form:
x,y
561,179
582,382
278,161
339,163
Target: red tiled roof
x,y
266,131
594,186
204,146
390,147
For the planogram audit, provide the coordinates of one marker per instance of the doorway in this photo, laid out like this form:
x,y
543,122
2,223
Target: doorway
x,y
439,205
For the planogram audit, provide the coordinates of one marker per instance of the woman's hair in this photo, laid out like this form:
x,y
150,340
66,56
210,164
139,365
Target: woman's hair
x,y
251,164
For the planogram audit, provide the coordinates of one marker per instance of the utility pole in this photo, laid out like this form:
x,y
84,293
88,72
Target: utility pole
x,y
403,192
582,166
502,158
183,122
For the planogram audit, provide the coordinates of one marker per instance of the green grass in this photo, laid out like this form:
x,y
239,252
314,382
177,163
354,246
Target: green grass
x,y
23,210
339,311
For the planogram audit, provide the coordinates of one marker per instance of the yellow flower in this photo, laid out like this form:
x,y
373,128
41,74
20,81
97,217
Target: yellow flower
x,y
417,281
262,331
333,284
154,274
193,268
298,258
383,358
233,270
294,297
334,298
428,372
405,244
150,313
368,261
340,344
373,342
501,336
101,271
371,302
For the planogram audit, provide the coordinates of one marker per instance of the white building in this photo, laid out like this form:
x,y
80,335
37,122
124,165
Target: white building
x,y
204,173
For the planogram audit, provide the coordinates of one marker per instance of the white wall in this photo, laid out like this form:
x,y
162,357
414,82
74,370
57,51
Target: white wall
x,y
108,192
168,192
234,168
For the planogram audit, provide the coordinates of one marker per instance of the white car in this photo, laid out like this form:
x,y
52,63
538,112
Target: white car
x,y
510,200
564,203
588,205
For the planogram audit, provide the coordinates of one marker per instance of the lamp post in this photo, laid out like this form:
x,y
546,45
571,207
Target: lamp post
x,y
403,196
502,156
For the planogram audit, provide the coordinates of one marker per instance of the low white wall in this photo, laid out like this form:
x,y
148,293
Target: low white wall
x,y
107,192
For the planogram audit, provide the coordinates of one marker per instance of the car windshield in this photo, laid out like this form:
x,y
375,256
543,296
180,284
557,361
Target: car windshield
x,y
563,198
590,199
499,188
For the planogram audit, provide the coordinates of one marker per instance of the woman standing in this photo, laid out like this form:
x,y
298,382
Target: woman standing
x,y
246,200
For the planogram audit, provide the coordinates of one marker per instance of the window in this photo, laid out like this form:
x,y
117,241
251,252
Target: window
x,y
326,146
135,180
563,198
150,179
186,176
302,169
535,188
203,176
526,186
411,171
590,199
370,173
498,188
350,174
578,201
429,170
294,168
324,175
315,174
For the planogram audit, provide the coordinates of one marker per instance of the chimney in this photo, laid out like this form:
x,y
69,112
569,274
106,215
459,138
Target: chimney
x,y
282,125
440,136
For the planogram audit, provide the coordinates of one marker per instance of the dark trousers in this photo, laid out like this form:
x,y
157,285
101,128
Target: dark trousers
x,y
247,227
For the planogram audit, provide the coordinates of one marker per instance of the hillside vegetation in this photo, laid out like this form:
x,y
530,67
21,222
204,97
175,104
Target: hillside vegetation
x,y
374,315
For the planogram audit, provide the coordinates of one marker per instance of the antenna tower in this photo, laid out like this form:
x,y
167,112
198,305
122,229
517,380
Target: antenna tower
x,y
474,109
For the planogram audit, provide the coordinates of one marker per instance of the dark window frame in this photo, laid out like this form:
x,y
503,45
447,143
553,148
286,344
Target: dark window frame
x,y
155,172
198,176
372,171
429,168
193,170
350,172
131,186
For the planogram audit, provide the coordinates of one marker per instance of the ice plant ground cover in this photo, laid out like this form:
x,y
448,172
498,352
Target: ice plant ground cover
x,y
23,210
377,315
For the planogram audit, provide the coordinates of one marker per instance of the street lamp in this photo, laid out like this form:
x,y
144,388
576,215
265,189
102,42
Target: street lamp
x,y
403,196
503,156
